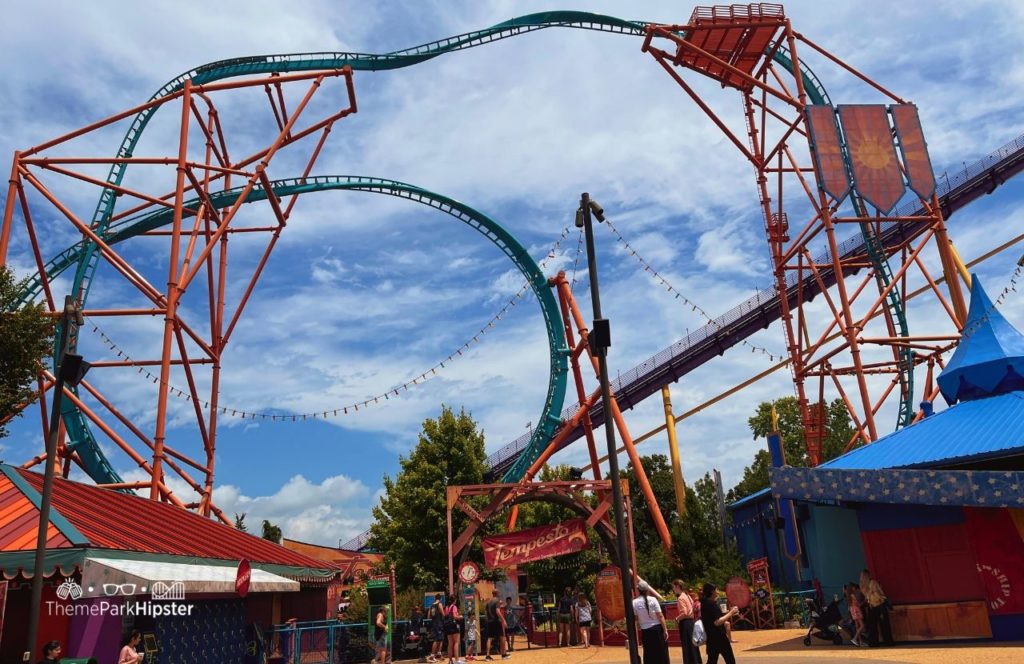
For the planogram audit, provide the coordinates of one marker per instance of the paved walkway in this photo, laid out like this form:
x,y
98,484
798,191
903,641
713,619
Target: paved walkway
x,y
785,645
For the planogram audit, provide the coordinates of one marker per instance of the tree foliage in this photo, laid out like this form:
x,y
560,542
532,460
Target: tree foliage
x,y
697,550
271,532
839,430
26,338
240,523
410,522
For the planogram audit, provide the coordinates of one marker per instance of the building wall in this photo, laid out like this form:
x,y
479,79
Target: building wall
x,y
833,547
756,537
998,538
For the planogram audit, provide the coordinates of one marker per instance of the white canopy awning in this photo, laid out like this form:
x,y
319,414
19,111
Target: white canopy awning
x,y
145,579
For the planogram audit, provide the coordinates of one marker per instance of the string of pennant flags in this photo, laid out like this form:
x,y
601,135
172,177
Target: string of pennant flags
x,y
696,308
391,393
576,263
1011,287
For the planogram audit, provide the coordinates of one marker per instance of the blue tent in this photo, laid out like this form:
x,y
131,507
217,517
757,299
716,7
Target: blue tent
x,y
990,357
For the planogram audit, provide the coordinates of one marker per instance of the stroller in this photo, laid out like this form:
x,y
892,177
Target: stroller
x,y
824,624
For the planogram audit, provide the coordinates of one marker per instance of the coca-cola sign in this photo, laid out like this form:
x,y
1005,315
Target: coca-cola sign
x,y
536,543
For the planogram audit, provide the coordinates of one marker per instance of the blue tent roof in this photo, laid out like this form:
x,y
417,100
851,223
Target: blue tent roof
x,y
990,357
969,431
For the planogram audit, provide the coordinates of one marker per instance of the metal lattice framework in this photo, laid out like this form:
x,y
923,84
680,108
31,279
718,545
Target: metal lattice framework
x,y
198,217
734,45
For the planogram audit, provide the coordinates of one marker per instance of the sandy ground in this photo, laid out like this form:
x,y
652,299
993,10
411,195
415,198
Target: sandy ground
x,y
785,645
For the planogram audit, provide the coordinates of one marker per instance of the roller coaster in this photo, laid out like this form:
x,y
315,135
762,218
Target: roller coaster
x,y
746,48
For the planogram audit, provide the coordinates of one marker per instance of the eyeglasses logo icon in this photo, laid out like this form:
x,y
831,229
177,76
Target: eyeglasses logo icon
x,y
69,590
111,589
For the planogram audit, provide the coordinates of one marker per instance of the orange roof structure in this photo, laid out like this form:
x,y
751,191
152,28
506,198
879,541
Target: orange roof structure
x,y
85,517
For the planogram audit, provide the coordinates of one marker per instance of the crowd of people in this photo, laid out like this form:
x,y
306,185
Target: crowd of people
x,y
702,620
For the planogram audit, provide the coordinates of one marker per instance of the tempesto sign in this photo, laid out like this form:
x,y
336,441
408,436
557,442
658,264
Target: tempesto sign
x,y
536,543
243,577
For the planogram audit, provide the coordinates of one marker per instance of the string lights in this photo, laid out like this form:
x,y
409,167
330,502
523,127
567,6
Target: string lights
x,y
354,407
682,298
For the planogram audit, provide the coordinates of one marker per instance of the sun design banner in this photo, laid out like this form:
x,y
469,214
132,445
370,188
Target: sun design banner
x,y
536,543
829,163
914,149
876,172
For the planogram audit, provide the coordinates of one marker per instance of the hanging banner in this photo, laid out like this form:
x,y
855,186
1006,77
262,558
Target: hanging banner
x,y
829,163
536,543
914,149
876,173
608,591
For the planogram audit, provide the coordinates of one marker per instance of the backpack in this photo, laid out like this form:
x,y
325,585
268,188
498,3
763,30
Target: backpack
x,y
450,626
700,637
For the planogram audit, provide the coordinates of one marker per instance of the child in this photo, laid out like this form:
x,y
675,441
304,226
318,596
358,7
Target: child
x,y
854,600
471,636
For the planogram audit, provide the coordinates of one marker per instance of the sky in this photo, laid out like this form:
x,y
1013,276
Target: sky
x,y
363,292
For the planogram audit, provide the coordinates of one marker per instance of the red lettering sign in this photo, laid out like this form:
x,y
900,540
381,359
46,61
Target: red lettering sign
x,y
536,543
243,577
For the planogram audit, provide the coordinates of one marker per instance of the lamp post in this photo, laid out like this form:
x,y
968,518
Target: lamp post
x,y
600,340
70,370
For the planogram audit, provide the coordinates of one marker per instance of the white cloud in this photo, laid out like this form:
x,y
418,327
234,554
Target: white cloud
x,y
364,292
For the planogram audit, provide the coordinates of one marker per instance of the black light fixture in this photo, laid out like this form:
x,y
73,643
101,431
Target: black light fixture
x,y
73,369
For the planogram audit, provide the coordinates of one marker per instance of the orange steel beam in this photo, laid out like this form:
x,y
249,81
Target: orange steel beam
x,y
620,423
196,247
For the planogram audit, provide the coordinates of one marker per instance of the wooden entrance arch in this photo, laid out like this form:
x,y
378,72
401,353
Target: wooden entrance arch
x,y
573,494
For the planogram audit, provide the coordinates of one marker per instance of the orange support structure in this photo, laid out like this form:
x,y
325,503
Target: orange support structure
x,y
199,168
862,244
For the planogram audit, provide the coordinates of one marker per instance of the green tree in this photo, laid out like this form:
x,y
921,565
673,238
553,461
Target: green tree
x,y
26,339
697,538
697,549
240,523
271,532
411,520
838,433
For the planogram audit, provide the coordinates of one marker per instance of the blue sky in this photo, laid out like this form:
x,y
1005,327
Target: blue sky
x,y
365,292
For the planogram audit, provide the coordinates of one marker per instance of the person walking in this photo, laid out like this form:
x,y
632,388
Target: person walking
x,y
512,623
714,625
565,618
653,630
685,620
584,617
878,610
495,627
129,654
855,602
451,628
436,616
380,634
471,635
